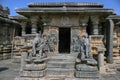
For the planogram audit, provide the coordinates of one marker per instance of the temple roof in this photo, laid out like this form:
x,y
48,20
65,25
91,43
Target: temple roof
x,y
8,20
67,4
63,7
19,17
113,17
4,11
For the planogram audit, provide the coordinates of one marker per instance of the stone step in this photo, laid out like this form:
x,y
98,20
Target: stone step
x,y
62,57
24,78
61,64
60,72
60,54
81,79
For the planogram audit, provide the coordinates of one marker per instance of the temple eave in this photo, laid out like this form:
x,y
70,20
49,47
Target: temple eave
x,y
8,21
61,10
113,17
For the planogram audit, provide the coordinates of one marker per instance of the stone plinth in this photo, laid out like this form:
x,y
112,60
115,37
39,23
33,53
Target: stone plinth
x,y
87,69
33,74
101,65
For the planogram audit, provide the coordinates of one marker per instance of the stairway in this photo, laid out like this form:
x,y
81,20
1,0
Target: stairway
x,y
61,66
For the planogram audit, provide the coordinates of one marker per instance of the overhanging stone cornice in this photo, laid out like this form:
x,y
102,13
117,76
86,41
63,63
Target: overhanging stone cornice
x,y
61,10
113,17
19,17
8,21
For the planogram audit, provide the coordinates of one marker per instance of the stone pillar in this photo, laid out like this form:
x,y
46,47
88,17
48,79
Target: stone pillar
x,y
109,41
101,62
95,21
23,25
34,20
23,57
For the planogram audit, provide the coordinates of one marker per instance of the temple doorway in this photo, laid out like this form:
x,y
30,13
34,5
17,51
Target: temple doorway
x,y
64,40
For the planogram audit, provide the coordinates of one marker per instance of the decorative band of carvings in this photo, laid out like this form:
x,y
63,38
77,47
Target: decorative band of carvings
x,y
81,74
35,67
26,78
33,74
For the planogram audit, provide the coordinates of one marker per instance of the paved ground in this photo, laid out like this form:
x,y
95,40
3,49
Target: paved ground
x,y
9,70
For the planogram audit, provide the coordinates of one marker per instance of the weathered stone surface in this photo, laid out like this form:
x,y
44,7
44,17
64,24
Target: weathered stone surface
x,y
80,79
24,78
84,67
63,57
60,71
87,74
35,67
33,73
38,60
16,59
59,64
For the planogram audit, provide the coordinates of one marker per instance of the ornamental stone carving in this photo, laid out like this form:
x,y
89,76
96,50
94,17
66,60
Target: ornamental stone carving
x,y
75,41
85,47
65,21
52,40
40,45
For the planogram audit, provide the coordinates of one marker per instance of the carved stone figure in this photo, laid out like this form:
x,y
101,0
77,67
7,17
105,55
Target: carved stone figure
x,y
52,42
85,47
35,42
43,46
40,45
75,43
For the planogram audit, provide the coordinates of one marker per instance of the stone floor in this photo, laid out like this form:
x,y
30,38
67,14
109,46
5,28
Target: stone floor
x,y
9,70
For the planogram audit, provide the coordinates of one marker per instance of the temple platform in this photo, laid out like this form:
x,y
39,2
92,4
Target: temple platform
x,y
12,70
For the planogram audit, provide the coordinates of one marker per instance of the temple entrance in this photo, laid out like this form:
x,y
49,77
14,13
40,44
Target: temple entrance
x,y
64,40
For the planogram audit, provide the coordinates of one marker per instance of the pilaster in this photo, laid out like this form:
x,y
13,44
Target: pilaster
x,y
83,24
23,25
95,21
34,20
109,41
46,23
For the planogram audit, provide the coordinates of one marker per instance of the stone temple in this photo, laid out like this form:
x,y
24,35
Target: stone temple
x,y
65,40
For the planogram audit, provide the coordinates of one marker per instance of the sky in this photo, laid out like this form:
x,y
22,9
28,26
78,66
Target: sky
x,y
12,4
